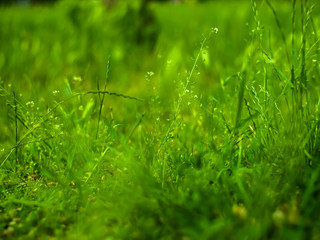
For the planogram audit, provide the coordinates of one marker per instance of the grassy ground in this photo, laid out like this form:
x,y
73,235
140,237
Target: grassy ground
x,y
202,124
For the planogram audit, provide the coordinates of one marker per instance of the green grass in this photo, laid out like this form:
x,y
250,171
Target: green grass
x,y
188,132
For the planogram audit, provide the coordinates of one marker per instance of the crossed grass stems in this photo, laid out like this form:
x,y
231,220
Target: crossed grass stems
x,y
31,129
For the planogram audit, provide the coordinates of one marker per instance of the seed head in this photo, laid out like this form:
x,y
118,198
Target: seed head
x,y
30,104
215,30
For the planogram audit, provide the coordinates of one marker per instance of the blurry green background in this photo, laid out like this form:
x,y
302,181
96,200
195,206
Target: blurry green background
x,y
46,43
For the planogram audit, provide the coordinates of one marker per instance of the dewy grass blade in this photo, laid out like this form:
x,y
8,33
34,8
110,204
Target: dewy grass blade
x,y
102,99
181,97
280,29
97,164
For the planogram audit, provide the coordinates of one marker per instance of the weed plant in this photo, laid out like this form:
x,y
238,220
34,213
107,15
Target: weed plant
x,y
212,134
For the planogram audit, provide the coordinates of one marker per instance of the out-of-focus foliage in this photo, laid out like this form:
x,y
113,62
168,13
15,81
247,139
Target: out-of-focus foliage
x,y
159,120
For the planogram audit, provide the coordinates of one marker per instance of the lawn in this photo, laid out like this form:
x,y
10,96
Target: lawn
x,y
165,121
